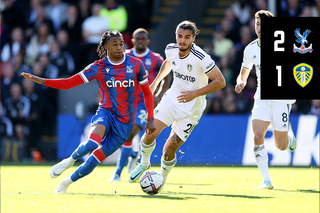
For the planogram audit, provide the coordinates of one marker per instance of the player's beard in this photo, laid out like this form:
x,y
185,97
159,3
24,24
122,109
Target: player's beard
x,y
183,50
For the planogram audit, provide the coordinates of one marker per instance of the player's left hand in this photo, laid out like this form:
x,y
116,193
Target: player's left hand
x,y
186,96
150,127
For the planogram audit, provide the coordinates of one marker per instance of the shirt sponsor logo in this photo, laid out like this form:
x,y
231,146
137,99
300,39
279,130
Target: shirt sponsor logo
x,y
118,83
184,77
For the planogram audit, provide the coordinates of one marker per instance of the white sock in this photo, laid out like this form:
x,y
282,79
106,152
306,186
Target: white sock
x,y
146,151
261,156
70,160
289,141
67,181
166,167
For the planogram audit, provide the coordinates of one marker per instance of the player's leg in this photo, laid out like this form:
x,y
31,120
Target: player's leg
x,y
125,152
261,118
83,170
281,140
112,141
164,116
259,129
95,135
168,159
181,130
147,145
283,134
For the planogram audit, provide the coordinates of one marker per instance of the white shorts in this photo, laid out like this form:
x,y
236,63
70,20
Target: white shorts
x,y
182,123
275,112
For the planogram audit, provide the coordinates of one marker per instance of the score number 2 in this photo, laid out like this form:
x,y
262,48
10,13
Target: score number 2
x,y
279,49
280,41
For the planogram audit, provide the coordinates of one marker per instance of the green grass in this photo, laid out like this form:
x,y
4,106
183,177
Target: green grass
x,y
188,189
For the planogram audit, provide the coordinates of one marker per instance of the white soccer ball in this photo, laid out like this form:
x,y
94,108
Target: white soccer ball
x,y
151,182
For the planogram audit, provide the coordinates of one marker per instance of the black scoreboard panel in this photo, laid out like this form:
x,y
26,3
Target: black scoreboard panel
x,y
290,58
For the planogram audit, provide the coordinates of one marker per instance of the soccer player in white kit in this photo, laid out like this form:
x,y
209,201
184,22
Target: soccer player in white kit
x,y
265,112
183,104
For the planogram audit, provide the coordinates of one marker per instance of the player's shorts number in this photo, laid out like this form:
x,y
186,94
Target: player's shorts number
x,y
189,129
284,117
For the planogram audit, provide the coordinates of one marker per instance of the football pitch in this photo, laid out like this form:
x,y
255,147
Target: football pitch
x,y
188,189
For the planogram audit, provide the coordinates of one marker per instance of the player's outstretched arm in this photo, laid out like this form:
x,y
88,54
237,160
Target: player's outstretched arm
x,y
148,101
34,78
163,72
242,79
61,83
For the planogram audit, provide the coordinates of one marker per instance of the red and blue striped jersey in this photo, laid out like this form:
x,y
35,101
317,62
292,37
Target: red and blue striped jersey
x,y
152,62
118,83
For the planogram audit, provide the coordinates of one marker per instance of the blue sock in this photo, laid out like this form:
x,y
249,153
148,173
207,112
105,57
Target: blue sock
x,y
125,153
84,148
134,154
86,168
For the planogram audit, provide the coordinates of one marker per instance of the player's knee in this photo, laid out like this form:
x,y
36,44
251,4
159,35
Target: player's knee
x,y
258,139
281,146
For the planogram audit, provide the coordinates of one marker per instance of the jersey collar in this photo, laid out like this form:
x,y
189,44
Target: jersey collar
x,y
114,63
141,54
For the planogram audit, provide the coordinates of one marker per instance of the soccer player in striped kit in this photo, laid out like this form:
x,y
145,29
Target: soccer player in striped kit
x,y
118,77
152,62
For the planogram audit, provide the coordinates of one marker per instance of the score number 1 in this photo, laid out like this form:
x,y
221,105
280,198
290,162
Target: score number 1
x,y
279,49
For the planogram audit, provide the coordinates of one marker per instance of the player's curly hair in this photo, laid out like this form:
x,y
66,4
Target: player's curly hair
x,y
189,25
263,13
102,51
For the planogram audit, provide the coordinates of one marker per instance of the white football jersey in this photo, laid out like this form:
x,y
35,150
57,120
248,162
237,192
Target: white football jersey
x,y
251,56
189,74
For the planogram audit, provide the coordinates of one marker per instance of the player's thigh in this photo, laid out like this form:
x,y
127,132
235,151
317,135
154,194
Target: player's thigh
x,y
173,143
261,118
100,123
163,117
98,129
117,137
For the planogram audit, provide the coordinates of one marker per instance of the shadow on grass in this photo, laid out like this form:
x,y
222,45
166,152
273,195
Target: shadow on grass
x,y
172,196
299,190
192,184
226,195
158,196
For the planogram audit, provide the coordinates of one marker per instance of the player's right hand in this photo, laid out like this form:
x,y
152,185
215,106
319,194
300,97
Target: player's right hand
x,y
34,78
239,87
150,127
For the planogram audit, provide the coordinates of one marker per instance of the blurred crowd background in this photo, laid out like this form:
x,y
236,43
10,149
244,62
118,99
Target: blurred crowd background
x,y
58,38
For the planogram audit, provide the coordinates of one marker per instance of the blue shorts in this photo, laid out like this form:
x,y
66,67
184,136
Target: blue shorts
x,y
116,134
141,115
